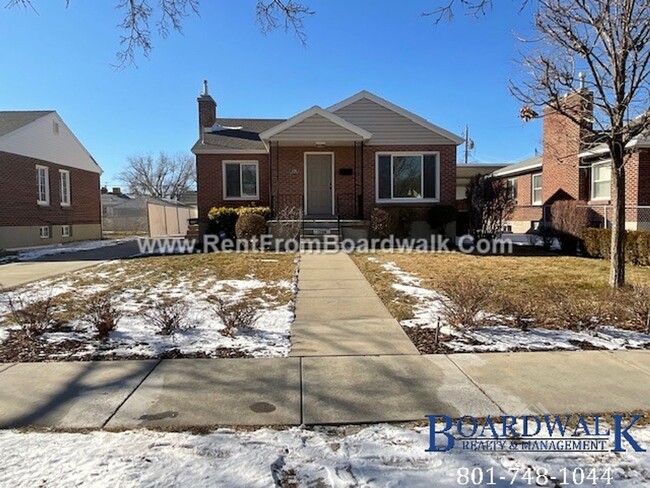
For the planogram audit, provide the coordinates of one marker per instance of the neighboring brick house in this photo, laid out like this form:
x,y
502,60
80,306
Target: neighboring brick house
x,y
49,183
571,167
339,162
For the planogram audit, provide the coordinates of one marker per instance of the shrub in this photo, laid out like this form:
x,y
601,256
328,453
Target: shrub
x,y
382,222
569,220
522,310
439,216
490,206
290,222
597,242
33,317
168,315
635,301
101,311
250,226
223,220
465,298
235,315
574,312
405,218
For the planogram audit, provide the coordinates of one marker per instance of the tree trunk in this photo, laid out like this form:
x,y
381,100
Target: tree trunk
x,y
617,251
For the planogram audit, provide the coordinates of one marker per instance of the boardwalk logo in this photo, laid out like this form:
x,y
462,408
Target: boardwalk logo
x,y
546,433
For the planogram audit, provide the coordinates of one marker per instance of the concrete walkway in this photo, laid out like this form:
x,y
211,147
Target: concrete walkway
x,y
13,275
204,393
339,314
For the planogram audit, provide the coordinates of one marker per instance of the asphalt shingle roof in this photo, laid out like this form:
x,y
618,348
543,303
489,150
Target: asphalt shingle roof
x,y
245,138
520,167
10,121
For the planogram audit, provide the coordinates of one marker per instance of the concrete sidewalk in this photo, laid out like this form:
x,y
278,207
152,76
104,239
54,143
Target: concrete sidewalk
x,y
339,314
204,393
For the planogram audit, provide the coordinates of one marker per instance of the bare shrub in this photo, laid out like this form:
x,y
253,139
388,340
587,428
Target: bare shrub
x,y
569,220
100,310
33,317
635,301
236,314
490,205
465,298
168,315
290,222
522,310
575,312
383,222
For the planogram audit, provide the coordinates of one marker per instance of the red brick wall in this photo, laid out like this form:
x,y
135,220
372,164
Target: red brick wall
x,y
207,112
209,181
19,194
287,171
562,142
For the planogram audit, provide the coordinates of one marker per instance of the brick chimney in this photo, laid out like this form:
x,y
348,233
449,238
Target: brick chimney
x,y
563,140
207,109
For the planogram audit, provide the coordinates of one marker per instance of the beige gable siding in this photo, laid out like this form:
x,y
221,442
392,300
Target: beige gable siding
x,y
386,126
316,127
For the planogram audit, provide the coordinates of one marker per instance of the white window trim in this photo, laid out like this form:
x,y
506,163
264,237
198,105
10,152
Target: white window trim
x,y
40,233
257,178
47,185
69,192
512,183
63,234
407,200
593,198
533,188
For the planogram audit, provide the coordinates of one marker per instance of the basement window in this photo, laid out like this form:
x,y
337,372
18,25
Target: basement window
x,y
65,231
44,231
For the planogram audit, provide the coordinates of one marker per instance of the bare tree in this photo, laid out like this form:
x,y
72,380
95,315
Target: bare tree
x,y
164,177
610,41
490,205
168,15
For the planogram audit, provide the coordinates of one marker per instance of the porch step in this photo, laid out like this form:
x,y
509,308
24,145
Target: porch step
x,y
322,242
319,231
192,232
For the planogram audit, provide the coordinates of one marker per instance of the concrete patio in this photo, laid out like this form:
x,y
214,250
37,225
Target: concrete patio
x,y
204,393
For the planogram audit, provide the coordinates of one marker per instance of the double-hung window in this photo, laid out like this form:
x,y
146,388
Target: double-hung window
x,y
512,188
43,185
601,181
408,177
537,189
64,179
240,180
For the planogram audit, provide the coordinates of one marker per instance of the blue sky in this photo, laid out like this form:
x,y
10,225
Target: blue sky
x,y
452,74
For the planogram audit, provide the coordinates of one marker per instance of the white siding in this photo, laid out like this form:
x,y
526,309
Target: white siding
x,y
316,128
40,141
386,126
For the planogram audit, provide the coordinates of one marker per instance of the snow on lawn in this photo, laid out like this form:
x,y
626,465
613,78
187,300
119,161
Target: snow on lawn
x,y
39,252
380,455
137,289
501,338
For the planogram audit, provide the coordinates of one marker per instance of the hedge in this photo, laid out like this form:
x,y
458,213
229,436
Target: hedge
x,y
597,242
224,219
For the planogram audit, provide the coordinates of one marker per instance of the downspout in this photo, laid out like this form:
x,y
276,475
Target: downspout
x,y
356,189
271,199
363,188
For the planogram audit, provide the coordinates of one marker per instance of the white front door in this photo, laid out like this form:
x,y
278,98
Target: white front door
x,y
319,184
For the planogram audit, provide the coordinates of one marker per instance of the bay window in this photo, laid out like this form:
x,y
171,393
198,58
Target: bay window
x,y
407,177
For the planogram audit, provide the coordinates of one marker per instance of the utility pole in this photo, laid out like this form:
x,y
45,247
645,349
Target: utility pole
x,y
469,144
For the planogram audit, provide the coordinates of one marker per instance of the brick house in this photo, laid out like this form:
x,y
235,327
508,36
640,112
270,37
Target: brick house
x,y
339,162
49,182
573,166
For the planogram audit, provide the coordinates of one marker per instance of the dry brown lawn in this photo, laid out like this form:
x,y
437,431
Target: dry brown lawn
x,y
527,277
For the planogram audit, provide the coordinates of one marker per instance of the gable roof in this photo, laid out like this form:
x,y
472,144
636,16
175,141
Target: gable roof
x,y
12,120
364,94
235,135
318,112
524,166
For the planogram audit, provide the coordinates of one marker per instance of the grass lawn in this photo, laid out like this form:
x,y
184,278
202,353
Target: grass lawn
x,y
408,283
264,281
